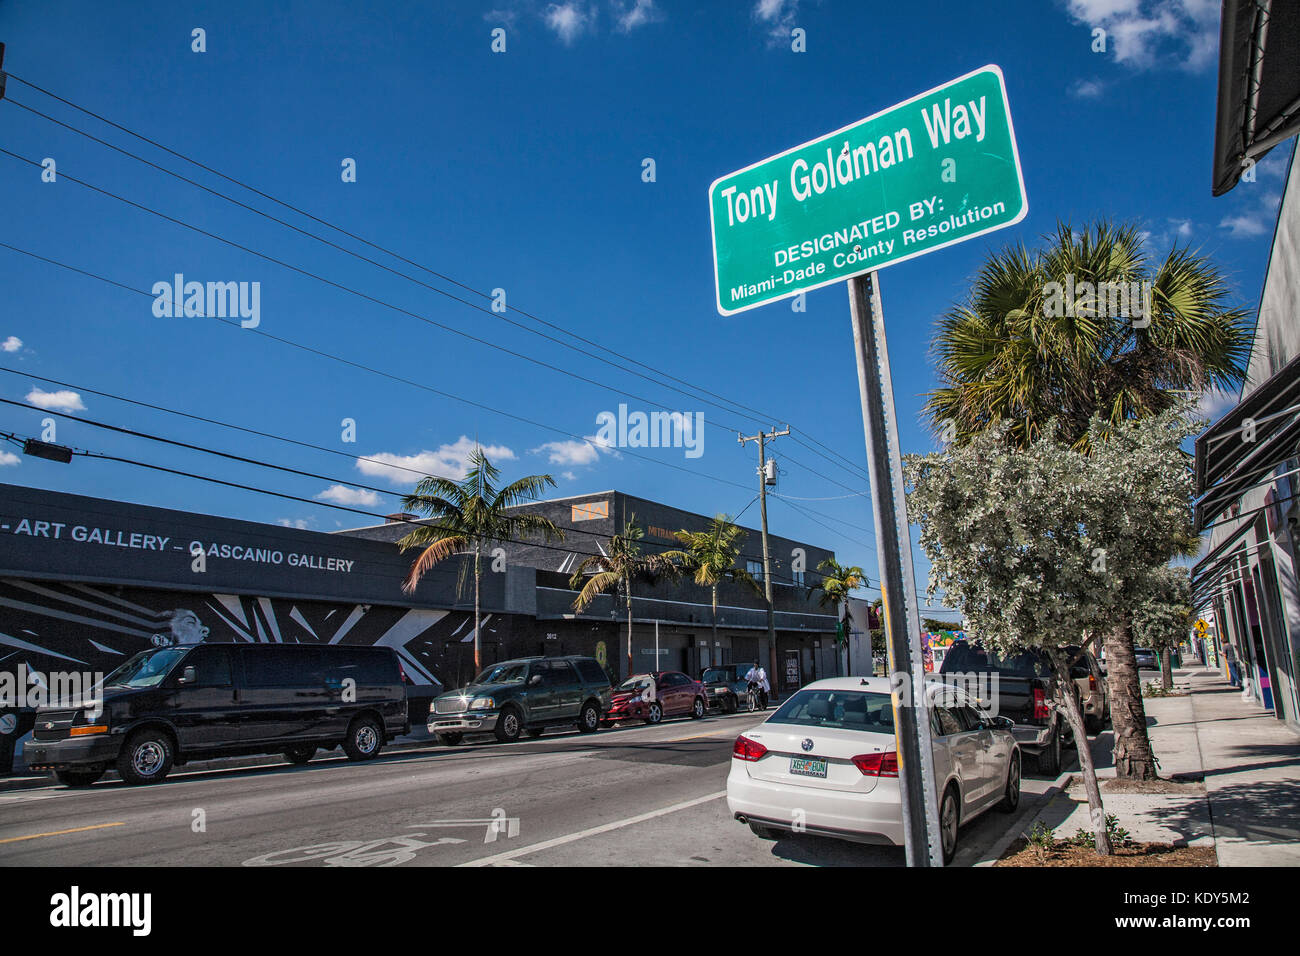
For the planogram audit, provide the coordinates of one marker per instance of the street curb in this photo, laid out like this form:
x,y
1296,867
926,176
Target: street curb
x,y
1023,823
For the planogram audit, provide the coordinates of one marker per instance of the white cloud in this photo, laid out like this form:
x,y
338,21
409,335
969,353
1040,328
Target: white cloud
x,y
569,452
1244,226
1213,403
568,20
8,458
1149,33
343,495
448,461
778,15
629,16
568,476
1087,89
302,524
11,344
61,401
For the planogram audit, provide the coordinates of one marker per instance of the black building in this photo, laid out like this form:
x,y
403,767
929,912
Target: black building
x,y
87,582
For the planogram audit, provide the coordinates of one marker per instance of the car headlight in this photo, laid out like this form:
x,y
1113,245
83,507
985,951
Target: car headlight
x,y
482,703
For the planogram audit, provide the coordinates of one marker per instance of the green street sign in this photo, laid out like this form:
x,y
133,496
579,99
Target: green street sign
x,y
938,169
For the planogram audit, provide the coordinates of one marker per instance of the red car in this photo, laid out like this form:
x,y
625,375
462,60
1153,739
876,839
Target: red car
x,y
674,695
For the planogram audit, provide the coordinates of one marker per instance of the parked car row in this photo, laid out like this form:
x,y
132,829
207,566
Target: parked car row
x,y
533,694
1023,687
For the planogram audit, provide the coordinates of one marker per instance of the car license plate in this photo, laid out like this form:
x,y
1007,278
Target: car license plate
x,y
808,767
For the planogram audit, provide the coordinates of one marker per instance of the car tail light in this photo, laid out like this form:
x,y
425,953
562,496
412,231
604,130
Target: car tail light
x,y
1092,683
401,671
746,749
880,764
1040,705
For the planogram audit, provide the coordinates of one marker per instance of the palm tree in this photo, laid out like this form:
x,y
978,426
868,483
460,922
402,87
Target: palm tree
x,y
1009,354
837,582
471,513
622,564
710,557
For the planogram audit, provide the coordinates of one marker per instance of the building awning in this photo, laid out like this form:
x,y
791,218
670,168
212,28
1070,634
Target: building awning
x,y
1259,84
1243,447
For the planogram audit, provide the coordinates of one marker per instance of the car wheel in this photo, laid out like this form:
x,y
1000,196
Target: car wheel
x,y
364,739
1011,796
698,709
948,822
762,832
589,718
299,754
78,778
655,715
1049,758
536,732
729,705
509,726
450,740
146,758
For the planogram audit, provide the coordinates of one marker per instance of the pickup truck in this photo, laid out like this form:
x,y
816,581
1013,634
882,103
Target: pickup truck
x,y
1021,687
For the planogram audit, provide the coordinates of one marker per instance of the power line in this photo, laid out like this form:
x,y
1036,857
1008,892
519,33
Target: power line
x,y
229,323
289,470
743,409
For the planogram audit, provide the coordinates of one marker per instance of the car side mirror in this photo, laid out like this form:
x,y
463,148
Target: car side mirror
x,y
188,675
535,680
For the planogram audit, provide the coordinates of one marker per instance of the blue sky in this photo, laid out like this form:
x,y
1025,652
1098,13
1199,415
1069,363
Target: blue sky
x,y
522,170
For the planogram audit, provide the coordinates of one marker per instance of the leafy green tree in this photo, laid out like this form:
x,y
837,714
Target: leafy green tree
x,y
838,582
1164,619
1012,356
471,514
623,564
1036,544
710,557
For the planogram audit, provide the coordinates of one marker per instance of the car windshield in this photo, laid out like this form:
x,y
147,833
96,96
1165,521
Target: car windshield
x,y
717,675
635,683
146,669
503,674
846,709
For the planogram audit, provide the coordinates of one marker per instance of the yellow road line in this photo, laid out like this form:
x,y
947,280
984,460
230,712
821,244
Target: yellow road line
x,y
37,836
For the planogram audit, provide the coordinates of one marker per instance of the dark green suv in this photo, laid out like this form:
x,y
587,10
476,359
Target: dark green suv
x,y
529,694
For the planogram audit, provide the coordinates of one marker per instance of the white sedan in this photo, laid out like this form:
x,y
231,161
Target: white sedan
x,y
826,762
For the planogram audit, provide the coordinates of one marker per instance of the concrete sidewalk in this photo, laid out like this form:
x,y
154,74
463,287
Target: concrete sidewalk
x,y
1236,769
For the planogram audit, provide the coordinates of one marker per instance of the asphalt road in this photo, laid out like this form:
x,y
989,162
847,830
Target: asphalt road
x,y
635,796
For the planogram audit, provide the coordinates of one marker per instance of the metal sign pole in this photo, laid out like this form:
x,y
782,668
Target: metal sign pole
x,y
898,581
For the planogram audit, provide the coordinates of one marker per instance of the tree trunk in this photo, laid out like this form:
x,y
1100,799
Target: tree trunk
x,y
1167,669
1133,757
1074,715
713,650
478,665
629,627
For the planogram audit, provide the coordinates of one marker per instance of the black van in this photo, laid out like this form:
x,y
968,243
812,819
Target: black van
x,y
170,705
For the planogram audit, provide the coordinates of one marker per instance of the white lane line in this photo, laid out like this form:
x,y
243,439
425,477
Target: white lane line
x,y
593,831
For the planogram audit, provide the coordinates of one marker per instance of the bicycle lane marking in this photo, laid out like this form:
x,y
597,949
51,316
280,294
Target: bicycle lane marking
x,y
510,855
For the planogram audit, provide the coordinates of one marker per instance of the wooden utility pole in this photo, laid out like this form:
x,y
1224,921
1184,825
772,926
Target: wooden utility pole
x,y
763,438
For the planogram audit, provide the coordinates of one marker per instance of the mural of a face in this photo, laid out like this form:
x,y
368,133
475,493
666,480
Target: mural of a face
x,y
186,628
